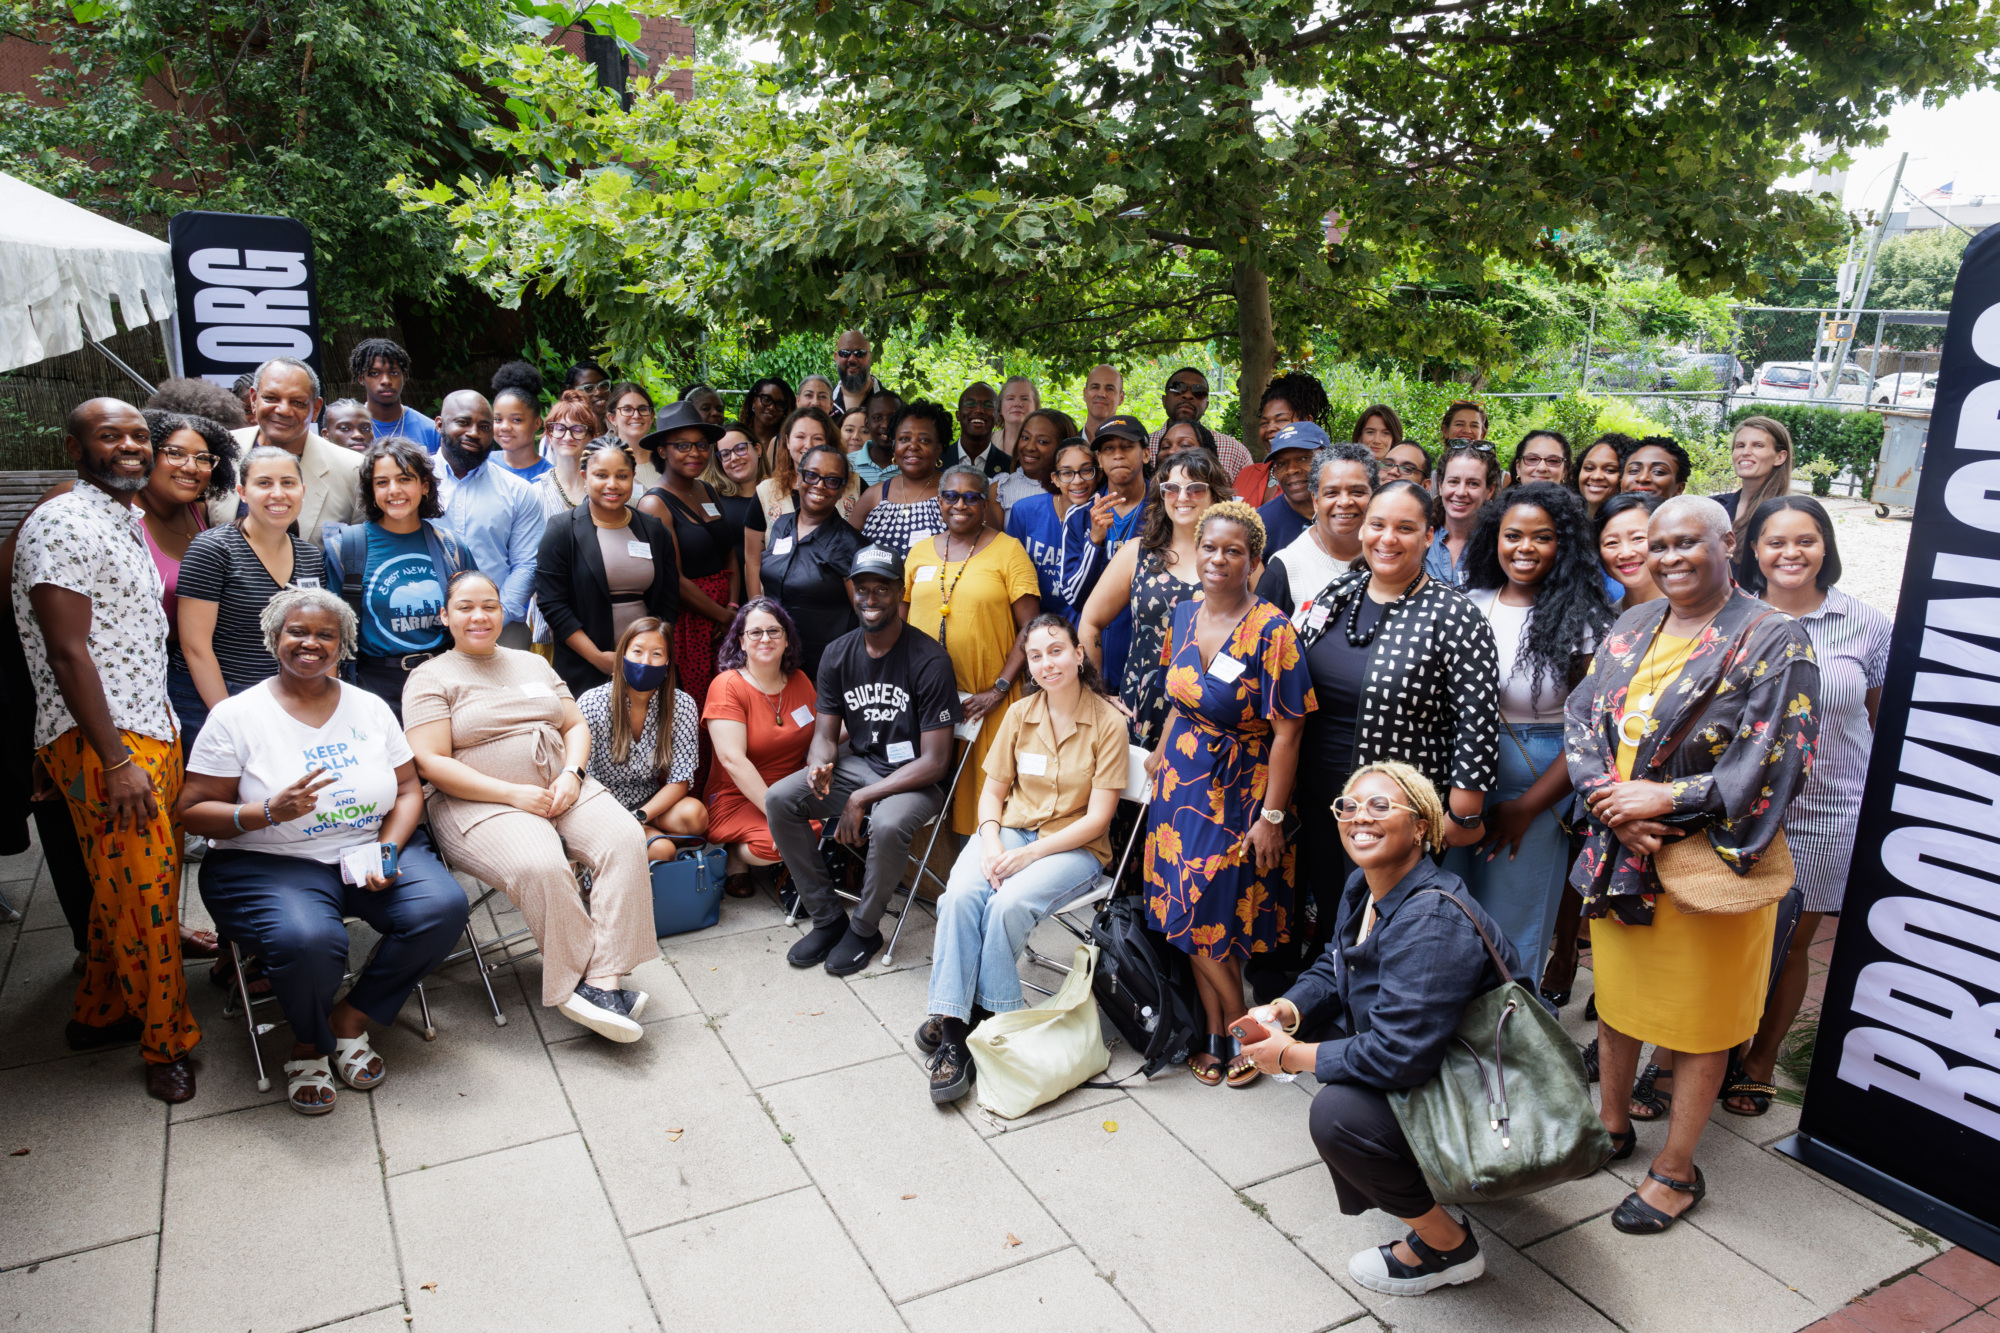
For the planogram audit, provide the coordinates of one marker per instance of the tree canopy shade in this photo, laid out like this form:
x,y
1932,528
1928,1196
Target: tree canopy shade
x,y
1092,176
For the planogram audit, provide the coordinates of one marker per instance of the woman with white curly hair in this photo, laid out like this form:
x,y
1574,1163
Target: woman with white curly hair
x,y
300,782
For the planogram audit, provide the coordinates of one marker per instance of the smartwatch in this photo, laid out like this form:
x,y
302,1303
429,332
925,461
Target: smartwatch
x,y
581,776
1002,685
1465,821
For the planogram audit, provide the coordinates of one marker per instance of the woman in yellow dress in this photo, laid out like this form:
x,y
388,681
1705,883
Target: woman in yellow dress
x,y
1736,683
974,590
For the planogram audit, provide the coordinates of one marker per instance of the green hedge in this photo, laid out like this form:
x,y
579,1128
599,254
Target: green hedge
x,y
1851,440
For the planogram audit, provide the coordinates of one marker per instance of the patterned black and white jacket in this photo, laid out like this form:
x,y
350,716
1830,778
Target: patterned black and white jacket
x,y
1432,693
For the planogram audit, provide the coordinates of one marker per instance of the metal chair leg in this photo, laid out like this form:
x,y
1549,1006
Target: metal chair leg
x,y
485,978
249,1017
424,1003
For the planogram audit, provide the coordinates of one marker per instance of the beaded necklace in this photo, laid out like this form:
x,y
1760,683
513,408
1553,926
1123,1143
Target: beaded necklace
x,y
1355,639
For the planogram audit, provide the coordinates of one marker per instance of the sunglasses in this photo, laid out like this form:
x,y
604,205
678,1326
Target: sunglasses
x,y
954,499
1173,490
1190,390
1347,808
855,355
824,480
1470,447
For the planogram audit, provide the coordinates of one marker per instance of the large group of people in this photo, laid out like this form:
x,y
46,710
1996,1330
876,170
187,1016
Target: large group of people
x,y
548,643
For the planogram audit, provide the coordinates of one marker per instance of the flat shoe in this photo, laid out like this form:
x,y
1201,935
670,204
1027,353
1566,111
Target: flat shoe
x,y
817,943
1636,1217
200,944
930,1035
738,885
598,1011
350,1059
309,1075
852,953
1380,1270
172,1083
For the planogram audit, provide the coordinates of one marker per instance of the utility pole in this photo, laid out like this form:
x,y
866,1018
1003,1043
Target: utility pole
x,y
1841,346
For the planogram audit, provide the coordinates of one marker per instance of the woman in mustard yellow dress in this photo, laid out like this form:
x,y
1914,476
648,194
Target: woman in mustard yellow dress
x,y
974,590
1739,679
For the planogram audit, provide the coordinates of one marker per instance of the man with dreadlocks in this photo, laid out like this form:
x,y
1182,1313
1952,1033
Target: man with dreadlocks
x,y
1292,397
382,368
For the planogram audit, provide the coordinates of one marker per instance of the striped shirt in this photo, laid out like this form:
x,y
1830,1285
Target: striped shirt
x,y
1850,640
221,567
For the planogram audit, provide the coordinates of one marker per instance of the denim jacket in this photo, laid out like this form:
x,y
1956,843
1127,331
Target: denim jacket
x,y
1397,997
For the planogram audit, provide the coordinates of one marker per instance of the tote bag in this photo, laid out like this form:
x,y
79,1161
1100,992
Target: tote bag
x,y
1032,1056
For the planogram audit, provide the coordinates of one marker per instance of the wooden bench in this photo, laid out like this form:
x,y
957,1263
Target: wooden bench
x,y
18,493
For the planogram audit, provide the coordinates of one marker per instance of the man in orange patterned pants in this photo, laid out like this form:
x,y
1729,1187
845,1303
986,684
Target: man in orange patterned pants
x,y
87,601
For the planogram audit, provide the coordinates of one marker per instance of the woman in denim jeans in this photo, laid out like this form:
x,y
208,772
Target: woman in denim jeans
x,y
1058,763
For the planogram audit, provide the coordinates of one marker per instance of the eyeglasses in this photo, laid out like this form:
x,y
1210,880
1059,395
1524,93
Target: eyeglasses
x,y
854,355
1347,808
769,400
1469,447
1190,390
954,499
687,446
1076,473
639,413
568,430
1173,490
202,462
774,632
734,451
824,480
1410,471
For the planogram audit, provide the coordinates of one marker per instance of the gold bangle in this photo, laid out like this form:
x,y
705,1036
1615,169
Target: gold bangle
x,y
1291,1028
120,764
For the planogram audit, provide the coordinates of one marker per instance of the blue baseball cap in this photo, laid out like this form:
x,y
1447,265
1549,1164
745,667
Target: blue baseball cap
x,y
1299,435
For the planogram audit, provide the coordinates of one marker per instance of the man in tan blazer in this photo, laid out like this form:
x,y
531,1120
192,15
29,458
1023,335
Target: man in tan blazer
x,y
287,404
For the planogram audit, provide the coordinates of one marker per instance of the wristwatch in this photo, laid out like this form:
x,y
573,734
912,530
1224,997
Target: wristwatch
x,y
1463,821
1002,685
580,774
1273,816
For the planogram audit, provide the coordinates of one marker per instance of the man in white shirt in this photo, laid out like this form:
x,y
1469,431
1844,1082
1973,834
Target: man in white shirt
x,y
287,403
496,514
1103,395
1186,398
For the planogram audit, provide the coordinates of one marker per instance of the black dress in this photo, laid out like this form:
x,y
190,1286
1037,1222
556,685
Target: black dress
x,y
807,576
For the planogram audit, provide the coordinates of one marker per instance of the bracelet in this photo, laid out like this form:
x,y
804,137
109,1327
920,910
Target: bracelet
x,y
984,822
236,818
120,764
268,821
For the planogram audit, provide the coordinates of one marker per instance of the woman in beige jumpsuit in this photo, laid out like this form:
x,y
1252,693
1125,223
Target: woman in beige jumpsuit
x,y
497,734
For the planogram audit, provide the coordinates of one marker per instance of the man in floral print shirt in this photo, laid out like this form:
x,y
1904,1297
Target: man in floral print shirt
x,y
87,602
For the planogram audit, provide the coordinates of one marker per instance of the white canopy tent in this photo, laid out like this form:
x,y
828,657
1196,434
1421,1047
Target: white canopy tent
x,y
60,268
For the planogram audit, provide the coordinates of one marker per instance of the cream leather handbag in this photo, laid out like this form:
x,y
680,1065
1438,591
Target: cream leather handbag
x,y
1032,1056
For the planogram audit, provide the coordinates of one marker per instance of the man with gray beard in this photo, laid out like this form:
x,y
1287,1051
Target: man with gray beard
x,y
854,372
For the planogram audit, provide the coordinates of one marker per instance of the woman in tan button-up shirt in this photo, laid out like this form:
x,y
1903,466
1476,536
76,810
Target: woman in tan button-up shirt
x,y
1057,763
497,734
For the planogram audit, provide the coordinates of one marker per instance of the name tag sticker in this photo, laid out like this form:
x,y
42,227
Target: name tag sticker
x,y
1317,620
802,715
925,573
1035,765
1300,616
901,752
782,546
305,583
711,510
639,550
534,689
1225,668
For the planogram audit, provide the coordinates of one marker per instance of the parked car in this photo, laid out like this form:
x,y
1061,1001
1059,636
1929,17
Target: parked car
x,y
1906,388
1794,381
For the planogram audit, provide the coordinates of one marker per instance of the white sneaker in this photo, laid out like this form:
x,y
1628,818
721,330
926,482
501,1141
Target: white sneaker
x,y
1379,1269
635,1003
597,1010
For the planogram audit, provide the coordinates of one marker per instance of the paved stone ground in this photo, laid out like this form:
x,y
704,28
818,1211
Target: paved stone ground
x,y
768,1158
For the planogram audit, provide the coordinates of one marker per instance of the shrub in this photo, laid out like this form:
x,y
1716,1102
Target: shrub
x,y
1850,440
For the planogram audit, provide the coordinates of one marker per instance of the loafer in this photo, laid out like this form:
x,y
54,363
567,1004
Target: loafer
x,y
601,1012
852,953
1380,1270
930,1035
171,1082
951,1072
814,946
88,1037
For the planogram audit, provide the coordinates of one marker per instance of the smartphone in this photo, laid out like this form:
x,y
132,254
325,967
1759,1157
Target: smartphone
x,y
1249,1031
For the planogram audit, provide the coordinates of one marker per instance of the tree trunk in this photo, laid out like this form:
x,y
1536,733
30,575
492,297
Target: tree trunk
x,y
1259,347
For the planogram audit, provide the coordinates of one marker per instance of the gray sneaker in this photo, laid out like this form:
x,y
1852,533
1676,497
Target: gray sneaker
x,y
602,1012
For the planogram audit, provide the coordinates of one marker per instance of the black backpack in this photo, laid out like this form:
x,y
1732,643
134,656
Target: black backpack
x,y
1145,985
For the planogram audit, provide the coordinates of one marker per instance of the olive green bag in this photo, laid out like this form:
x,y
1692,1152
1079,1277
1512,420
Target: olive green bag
x,y
1508,1112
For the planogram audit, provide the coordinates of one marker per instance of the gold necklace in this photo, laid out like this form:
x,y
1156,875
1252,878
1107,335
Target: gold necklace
x,y
1642,711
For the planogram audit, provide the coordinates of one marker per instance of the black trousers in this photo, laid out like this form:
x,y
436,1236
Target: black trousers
x,y
66,867
1366,1154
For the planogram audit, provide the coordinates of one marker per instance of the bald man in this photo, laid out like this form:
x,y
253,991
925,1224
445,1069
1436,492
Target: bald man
x,y
492,511
853,372
88,601
285,398
1103,395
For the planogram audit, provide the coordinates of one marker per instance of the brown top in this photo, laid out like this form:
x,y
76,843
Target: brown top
x,y
506,714
1052,782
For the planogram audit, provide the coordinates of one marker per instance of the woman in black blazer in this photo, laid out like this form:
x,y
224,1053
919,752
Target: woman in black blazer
x,y
603,565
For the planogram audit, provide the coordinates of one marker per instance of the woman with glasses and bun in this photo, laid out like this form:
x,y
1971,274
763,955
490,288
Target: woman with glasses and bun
x,y
807,557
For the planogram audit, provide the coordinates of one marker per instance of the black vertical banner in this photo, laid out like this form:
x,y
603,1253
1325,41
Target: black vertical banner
x,y
1903,1103
245,291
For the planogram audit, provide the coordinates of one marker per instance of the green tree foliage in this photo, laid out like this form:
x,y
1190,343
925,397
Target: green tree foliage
x,y
1916,271
1081,175
151,107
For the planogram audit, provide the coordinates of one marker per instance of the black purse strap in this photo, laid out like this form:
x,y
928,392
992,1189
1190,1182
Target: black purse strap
x,y
1499,964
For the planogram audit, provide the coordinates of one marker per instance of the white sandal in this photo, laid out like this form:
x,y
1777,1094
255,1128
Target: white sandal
x,y
351,1056
313,1074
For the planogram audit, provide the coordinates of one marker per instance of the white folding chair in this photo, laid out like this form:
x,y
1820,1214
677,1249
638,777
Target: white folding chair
x,y
1137,790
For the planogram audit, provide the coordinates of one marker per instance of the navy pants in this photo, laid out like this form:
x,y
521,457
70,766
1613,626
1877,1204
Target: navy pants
x,y
289,911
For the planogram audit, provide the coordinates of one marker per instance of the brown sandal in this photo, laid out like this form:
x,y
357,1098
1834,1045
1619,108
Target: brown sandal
x,y
738,885
1217,1051
1243,1072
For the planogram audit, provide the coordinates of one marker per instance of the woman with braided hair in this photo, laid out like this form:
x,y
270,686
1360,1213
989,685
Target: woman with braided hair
x,y
1291,397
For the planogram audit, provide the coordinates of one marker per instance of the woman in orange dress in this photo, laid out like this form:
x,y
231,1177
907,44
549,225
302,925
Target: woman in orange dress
x,y
760,720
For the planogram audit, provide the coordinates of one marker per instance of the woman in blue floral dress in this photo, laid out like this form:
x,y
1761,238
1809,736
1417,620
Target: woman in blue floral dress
x,y
1219,868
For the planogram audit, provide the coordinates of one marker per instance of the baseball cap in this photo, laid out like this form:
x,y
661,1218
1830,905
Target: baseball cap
x,y
879,561
1298,435
1123,428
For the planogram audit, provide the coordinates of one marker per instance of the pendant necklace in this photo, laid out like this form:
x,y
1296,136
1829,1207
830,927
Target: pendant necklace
x,y
1641,711
946,589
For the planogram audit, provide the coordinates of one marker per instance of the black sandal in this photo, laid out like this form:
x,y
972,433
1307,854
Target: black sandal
x,y
1636,1217
1590,1008
1623,1143
1646,1094
1590,1061
1757,1094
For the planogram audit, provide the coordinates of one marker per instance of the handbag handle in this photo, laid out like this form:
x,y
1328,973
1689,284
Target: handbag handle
x,y
1681,733
1499,964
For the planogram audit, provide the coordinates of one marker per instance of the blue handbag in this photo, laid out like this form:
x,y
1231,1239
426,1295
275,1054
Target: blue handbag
x,y
687,891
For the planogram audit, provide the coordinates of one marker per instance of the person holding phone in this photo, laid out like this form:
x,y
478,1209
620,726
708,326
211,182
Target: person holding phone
x,y
288,780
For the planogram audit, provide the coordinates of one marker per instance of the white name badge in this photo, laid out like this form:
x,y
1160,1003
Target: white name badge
x,y
1035,765
802,715
1299,616
305,583
639,550
1225,668
901,752
534,689
925,573
782,546
1317,620
711,510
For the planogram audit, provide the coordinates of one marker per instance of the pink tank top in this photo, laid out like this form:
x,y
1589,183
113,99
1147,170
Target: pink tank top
x,y
170,570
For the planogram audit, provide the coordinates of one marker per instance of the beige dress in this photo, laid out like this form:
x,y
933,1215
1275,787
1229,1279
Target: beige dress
x,y
506,714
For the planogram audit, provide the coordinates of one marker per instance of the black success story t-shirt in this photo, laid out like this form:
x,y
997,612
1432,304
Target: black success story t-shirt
x,y
888,702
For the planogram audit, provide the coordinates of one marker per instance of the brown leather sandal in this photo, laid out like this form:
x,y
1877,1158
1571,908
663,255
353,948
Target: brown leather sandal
x,y
1217,1051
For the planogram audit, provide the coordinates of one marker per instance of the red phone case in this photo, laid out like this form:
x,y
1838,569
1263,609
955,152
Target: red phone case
x,y
1249,1031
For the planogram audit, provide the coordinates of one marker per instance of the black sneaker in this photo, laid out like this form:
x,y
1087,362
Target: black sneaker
x,y
817,943
951,1072
852,953
930,1035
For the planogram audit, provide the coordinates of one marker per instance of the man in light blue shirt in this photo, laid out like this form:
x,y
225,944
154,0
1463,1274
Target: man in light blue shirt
x,y
381,368
492,511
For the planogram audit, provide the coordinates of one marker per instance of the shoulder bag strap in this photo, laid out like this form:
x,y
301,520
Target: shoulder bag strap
x,y
1499,964
1673,742
353,563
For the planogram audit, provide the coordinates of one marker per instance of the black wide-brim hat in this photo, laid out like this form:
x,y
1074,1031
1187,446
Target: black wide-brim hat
x,y
681,416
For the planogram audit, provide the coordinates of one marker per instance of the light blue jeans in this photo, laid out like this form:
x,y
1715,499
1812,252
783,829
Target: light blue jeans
x,y
982,930
1521,893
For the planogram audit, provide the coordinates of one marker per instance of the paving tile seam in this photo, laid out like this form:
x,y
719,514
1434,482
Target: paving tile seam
x,y
713,1212
387,1174
1005,1267
604,1191
798,1078
389,1215
1525,1251
358,1314
81,1249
